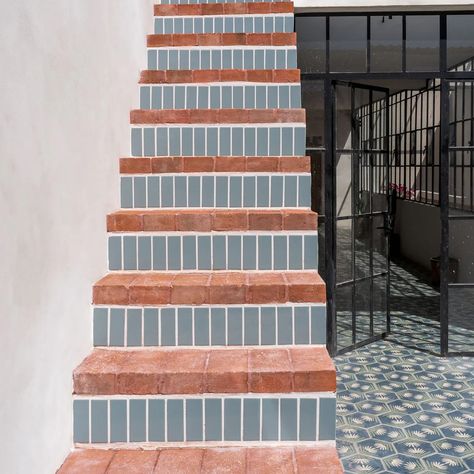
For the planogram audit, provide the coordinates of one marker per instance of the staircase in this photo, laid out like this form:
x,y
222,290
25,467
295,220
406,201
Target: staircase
x,y
210,327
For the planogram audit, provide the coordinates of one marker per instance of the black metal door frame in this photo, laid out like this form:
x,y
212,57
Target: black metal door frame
x,y
445,75
332,219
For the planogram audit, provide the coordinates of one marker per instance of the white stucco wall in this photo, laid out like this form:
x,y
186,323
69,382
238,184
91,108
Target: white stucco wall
x,y
68,80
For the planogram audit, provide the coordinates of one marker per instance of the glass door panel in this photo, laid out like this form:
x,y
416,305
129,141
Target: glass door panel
x,y
362,223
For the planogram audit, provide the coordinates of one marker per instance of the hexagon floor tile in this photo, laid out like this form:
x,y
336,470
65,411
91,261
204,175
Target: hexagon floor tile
x,y
415,416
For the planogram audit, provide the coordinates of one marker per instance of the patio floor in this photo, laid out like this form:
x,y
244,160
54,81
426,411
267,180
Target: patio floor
x,y
402,410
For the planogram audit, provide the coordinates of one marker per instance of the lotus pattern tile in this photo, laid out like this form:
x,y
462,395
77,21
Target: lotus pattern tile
x,y
401,410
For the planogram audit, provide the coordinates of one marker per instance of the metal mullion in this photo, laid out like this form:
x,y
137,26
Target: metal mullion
x,y
434,149
353,209
404,43
371,220
455,161
463,129
444,214
405,123
428,146
330,212
423,139
387,241
471,154
368,59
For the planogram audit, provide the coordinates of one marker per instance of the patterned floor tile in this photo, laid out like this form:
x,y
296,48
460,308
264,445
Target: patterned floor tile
x,y
414,416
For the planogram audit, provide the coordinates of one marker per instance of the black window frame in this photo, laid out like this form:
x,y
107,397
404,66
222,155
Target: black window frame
x,y
444,76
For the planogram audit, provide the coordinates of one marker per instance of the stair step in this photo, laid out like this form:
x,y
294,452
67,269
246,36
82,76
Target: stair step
x,y
213,251
211,326
222,57
221,39
283,460
198,9
199,24
201,288
225,191
219,75
207,220
185,2
255,139
161,371
218,96
215,164
217,116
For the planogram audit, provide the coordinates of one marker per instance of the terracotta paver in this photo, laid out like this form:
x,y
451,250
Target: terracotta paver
x,y
240,460
196,371
206,220
220,75
223,9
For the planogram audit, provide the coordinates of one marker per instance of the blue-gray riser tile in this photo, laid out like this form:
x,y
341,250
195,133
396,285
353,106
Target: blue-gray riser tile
x,y
211,190
180,2
216,251
222,57
219,140
221,96
283,23
220,419
191,326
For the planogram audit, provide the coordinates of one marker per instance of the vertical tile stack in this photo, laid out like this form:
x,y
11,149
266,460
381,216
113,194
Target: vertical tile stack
x,y
209,329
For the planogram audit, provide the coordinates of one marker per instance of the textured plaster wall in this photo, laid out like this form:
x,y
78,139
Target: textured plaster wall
x,y
68,80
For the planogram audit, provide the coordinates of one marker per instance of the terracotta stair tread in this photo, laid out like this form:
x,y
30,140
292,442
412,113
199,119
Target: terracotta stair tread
x,y
218,116
200,371
220,75
213,164
207,220
221,39
197,9
215,287
240,460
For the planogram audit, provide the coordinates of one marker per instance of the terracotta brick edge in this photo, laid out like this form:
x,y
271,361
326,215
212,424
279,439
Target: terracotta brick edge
x,y
200,288
207,220
218,116
220,75
284,460
224,9
221,39
197,371
215,164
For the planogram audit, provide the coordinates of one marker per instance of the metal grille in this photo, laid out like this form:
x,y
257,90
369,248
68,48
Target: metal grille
x,y
414,143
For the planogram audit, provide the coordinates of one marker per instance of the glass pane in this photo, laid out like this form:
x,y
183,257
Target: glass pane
x,y
461,251
362,244
422,42
312,96
344,316
379,180
460,42
317,174
322,247
380,305
343,111
343,185
386,40
362,306
311,33
344,250
461,178
348,44
379,248
461,319
461,114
